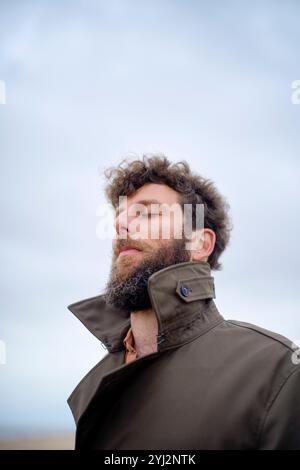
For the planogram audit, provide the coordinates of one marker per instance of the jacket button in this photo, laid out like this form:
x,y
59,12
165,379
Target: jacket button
x,y
185,291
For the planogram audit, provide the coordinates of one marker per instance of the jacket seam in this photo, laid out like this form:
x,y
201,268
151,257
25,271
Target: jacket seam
x,y
196,314
201,333
271,404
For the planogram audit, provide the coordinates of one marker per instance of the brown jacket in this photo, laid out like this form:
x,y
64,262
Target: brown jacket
x,y
212,384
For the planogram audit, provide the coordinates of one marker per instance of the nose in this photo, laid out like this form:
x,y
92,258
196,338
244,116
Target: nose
x,y
121,225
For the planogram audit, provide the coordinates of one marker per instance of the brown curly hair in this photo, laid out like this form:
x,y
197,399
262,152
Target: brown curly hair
x,y
128,177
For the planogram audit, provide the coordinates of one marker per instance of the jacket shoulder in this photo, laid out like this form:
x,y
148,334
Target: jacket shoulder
x,y
263,333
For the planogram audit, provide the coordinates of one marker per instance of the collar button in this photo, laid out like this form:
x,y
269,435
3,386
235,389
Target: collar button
x,y
184,291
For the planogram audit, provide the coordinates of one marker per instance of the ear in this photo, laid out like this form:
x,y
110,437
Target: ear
x,y
202,244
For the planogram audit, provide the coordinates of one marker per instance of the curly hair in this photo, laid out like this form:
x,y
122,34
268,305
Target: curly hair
x,y
129,176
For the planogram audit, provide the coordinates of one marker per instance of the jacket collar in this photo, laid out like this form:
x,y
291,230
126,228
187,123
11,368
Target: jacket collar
x,y
181,296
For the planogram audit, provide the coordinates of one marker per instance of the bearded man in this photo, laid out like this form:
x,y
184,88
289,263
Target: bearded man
x,y
177,375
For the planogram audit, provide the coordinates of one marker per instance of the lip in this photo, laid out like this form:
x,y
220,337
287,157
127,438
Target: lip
x,y
128,251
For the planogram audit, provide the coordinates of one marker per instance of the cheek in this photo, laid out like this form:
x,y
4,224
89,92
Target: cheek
x,y
145,229
156,228
170,228
159,228
138,229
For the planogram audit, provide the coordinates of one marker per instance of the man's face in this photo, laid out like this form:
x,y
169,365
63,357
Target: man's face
x,y
149,237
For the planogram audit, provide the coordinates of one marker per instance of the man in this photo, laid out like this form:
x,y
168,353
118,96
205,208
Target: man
x,y
177,375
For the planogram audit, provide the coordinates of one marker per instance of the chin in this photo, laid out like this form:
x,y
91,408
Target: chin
x,y
123,270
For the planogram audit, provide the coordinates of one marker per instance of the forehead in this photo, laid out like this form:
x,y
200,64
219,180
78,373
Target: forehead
x,y
160,192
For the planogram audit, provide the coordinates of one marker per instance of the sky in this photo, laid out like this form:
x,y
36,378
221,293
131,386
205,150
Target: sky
x,y
91,82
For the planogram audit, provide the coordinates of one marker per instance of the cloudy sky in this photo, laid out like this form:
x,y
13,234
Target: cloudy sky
x,y
89,82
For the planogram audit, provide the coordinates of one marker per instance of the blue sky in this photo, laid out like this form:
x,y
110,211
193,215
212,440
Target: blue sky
x,y
89,82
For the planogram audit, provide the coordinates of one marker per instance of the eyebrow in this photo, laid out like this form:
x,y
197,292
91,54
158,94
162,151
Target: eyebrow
x,y
145,202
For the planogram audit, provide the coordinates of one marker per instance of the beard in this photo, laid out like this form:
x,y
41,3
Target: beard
x,y
128,290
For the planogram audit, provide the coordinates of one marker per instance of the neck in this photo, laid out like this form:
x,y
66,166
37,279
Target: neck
x,y
145,329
